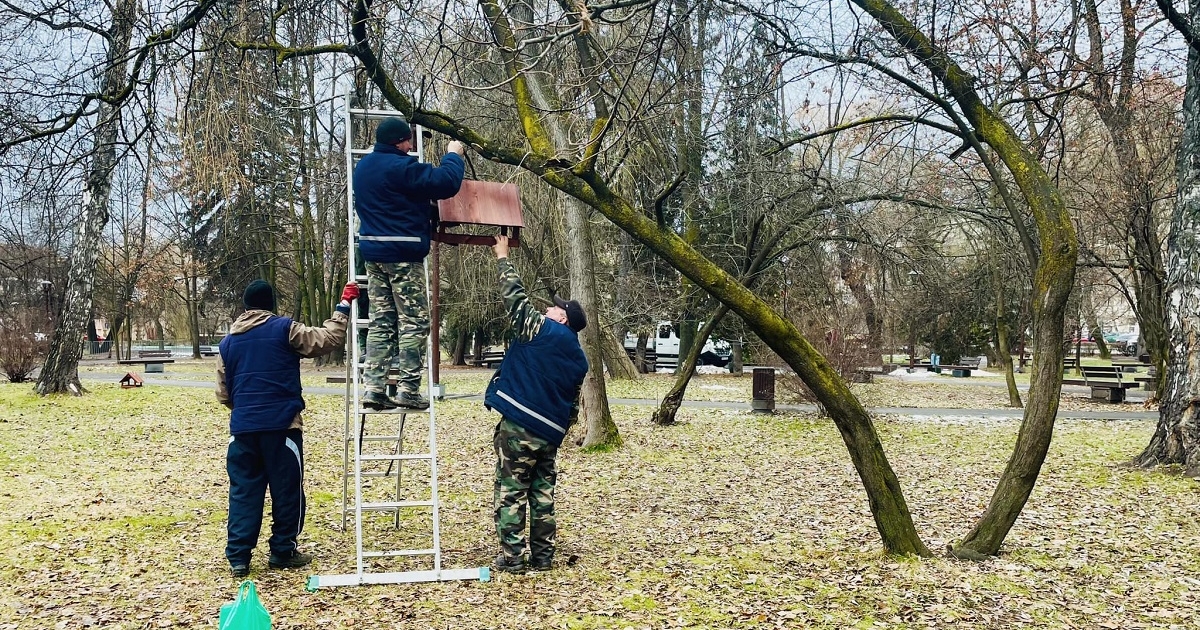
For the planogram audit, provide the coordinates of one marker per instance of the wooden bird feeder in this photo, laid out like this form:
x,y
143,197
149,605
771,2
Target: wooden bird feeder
x,y
488,204
130,380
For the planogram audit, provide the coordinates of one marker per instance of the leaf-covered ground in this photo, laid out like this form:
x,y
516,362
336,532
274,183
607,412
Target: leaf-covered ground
x,y
112,511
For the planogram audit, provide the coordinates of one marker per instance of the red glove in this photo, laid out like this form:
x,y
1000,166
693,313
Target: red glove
x,y
350,293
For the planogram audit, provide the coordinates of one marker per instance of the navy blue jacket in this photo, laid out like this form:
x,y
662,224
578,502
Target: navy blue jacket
x,y
262,373
539,382
392,195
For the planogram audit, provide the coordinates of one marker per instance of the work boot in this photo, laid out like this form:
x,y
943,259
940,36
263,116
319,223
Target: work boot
x,y
378,401
411,400
510,565
240,570
291,560
540,564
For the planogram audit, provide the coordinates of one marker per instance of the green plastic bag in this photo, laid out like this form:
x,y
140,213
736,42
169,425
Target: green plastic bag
x,y
245,612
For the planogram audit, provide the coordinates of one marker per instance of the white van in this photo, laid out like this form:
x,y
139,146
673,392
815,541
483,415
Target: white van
x,y
665,344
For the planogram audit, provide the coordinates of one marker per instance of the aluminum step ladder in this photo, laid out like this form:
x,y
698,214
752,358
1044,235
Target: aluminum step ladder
x,y
366,449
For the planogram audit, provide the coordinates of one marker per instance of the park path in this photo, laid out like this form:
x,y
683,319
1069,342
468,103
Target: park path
x,y
940,412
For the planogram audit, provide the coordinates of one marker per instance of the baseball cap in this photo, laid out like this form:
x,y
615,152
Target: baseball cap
x,y
576,319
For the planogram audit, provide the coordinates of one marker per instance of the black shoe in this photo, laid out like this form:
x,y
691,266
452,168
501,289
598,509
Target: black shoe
x,y
510,565
240,570
377,401
410,400
540,565
293,560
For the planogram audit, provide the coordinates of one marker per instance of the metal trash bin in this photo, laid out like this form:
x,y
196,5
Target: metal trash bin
x,y
762,397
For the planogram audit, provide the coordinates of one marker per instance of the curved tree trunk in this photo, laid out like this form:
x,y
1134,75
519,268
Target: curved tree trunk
x,y
665,414
60,374
1053,267
1176,440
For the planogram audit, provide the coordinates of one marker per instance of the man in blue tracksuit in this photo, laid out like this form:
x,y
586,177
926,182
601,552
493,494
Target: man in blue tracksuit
x,y
536,391
393,192
258,378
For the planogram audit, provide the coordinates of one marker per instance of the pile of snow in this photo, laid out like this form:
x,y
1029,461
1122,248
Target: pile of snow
x,y
918,374
711,369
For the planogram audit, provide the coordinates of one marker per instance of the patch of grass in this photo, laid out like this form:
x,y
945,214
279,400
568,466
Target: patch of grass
x,y
638,602
114,504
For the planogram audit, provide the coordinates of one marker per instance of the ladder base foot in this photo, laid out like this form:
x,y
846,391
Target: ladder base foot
x,y
483,574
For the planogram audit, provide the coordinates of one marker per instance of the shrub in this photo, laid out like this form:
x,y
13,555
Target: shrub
x,y
22,349
845,349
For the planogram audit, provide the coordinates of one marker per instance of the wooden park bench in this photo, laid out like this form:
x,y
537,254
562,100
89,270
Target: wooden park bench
x,y
208,351
1129,365
1070,363
490,359
961,369
153,364
964,366
1105,381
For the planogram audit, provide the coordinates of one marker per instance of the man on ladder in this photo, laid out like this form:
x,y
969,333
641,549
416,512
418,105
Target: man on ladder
x,y
392,195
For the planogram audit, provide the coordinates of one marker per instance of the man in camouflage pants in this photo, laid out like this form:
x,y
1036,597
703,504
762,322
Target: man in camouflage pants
x,y
536,391
392,195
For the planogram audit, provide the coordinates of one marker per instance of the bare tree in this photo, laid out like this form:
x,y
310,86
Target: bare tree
x,y
1176,440
60,373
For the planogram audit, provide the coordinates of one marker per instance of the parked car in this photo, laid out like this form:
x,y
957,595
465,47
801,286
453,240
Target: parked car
x,y
1128,344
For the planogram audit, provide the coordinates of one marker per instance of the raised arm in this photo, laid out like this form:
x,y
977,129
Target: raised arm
x,y
316,341
526,321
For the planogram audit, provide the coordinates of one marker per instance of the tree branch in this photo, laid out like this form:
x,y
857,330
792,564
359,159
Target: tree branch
x,y
1181,24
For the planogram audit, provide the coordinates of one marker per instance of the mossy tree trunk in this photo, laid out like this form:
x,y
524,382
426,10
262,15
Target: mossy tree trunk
x,y
1053,265
686,368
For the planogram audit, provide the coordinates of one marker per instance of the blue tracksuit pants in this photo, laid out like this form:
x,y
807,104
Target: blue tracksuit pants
x,y
255,462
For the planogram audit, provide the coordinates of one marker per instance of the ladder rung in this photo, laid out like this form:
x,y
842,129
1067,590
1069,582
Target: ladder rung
x,y
360,279
375,438
377,113
403,457
357,154
399,553
362,323
399,411
394,505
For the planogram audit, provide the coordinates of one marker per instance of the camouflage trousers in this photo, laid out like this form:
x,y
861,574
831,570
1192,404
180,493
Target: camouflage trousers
x,y
399,326
525,478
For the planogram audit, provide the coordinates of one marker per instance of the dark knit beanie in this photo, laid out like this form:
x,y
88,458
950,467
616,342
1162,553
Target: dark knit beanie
x,y
392,131
259,295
